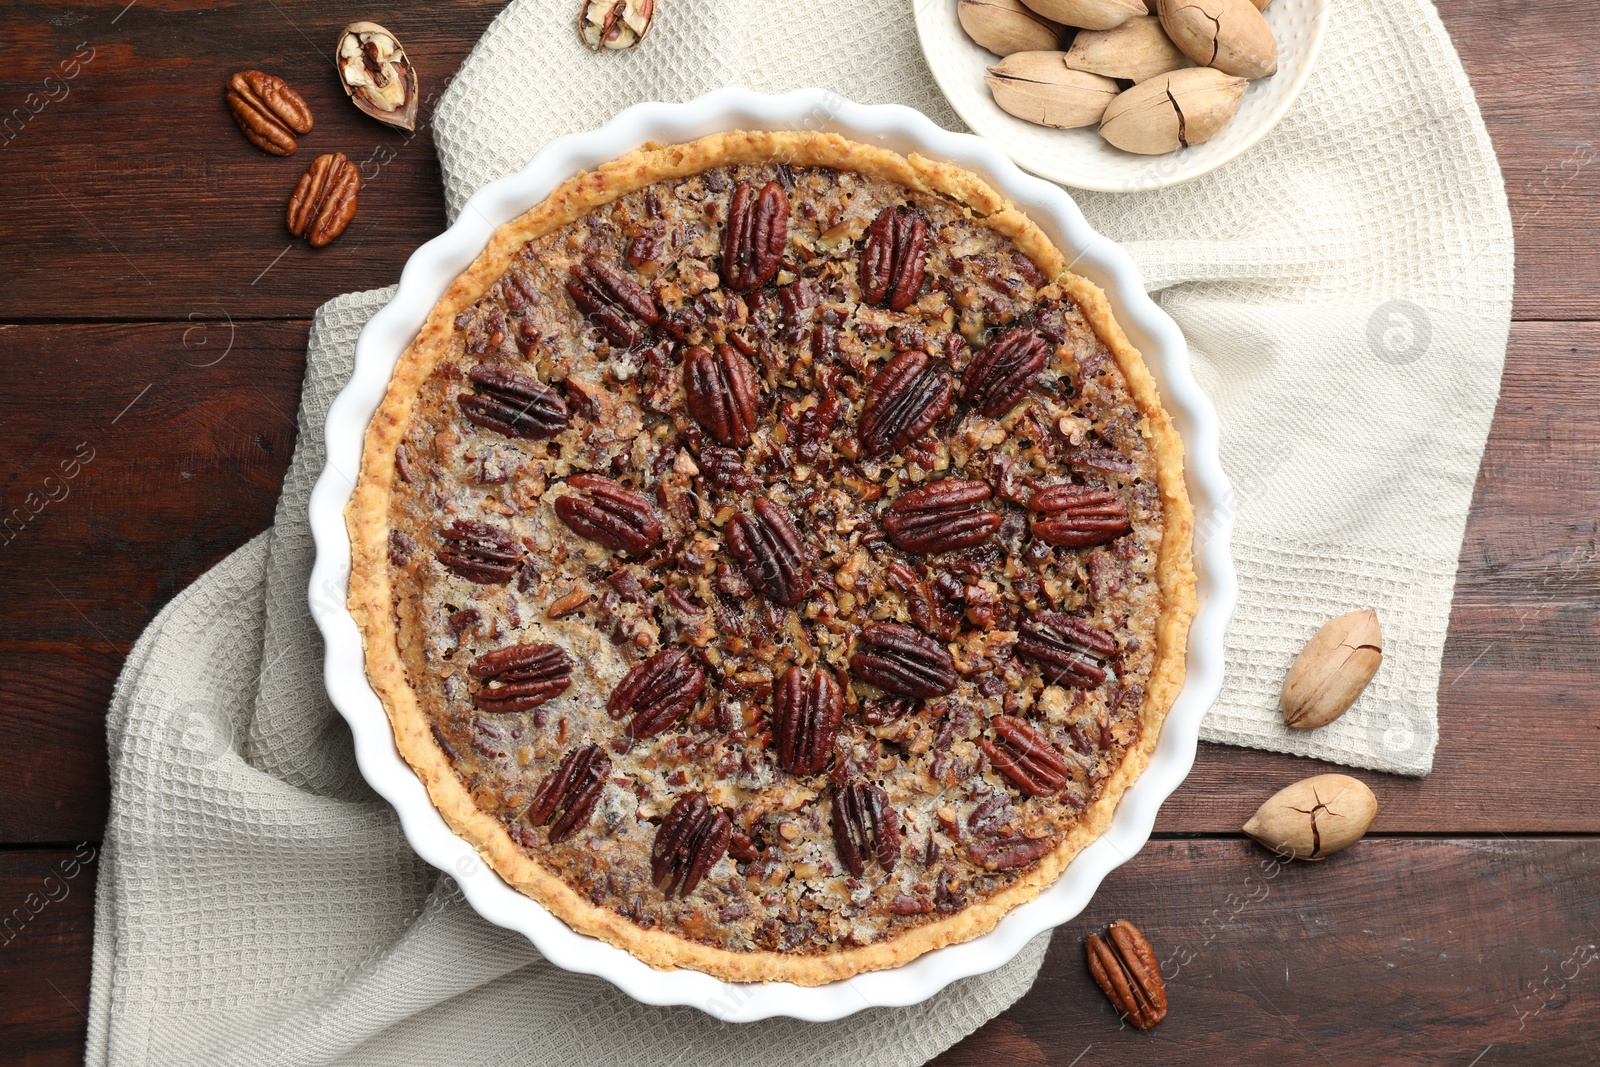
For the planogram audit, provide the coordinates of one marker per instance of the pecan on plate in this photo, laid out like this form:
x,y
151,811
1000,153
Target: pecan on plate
x,y
906,398
1070,650
657,693
767,548
895,258
615,24
722,393
755,235
865,825
692,838
618,518
267,111
514,404
520,677
1078,516
941,516
1001,373
1124,965
573,789
479,552
607,298
1026,758
807,710
324,200
903,660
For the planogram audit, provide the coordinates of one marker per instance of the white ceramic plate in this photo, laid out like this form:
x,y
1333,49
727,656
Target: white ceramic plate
x,y
1082,158
432,268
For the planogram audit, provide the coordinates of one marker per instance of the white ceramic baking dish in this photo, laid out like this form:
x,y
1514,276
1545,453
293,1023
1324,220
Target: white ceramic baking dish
x,y
431,269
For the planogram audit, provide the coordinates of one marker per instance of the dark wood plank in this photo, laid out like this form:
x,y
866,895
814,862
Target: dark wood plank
x,y
192,470
1395,952
1530,63
46,929
131,179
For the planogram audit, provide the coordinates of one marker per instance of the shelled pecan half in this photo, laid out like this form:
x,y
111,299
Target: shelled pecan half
x,y
572,789
692,838
520,677
1124,965
514,404
608,298
903,660
909,395
267,111
657,693
768,550
941,516
1000,374
618,518
1070,650
722,393
755,235
1078,516
865,826
807,710
1026,758
479,552
895,258
324,199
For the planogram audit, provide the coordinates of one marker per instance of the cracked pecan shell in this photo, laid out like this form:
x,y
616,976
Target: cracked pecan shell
x,y
514,404
1124,965
1070,651
572,790
690,841
607,298
807,710
657,693
722,393
618,518
903,660
520,677
1001,373
865,826
1078,516
941,516
479,552
1025,757
755,235
909,395
768,550
894,261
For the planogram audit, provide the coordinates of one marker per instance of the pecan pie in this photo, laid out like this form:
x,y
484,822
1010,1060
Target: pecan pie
x,y
772,559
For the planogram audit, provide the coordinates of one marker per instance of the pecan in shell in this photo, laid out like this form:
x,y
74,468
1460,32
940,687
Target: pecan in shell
x,y
692,838
1078,516
1070,650
865,826
657,693
909,395
807,710
267,111
572,789
767,548
520,677
617,25
607,298
895,258
514,404
941,516
722,393
1026,758
903,660
755,235
618,518
1124,965
324,200
479,552
1001,373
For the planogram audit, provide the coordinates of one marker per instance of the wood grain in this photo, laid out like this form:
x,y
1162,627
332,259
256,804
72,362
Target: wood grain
x,y
46,931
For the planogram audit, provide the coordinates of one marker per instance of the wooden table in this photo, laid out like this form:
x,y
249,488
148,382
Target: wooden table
x,y
153,315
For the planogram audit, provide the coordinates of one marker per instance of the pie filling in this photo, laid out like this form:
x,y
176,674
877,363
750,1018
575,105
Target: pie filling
x,y
774,555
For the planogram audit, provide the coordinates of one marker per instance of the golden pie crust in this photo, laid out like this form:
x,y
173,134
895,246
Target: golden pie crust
x,y
372,596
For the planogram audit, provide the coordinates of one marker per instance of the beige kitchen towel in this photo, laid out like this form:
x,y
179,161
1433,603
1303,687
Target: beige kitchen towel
x,y
1345,288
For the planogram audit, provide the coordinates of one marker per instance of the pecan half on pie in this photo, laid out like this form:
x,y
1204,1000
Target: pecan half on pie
x,y
772,559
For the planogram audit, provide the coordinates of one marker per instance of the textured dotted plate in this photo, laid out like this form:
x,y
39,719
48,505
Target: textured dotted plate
x,y
1081,158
